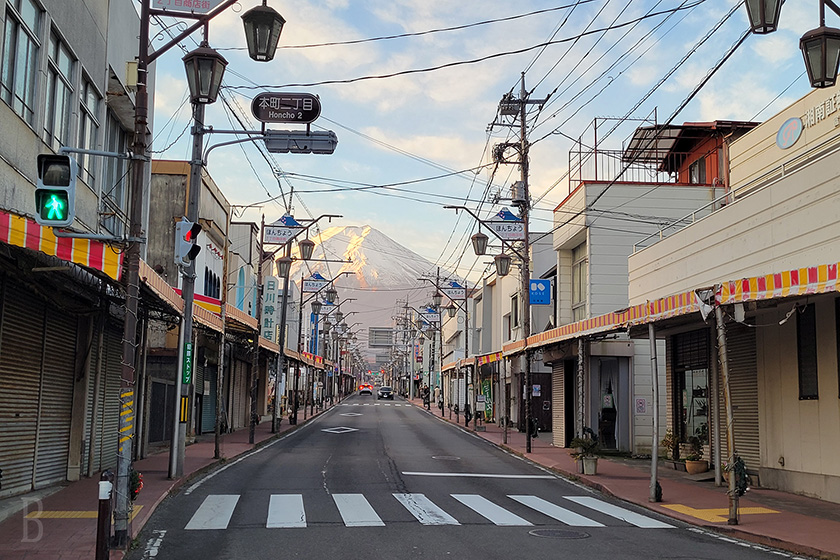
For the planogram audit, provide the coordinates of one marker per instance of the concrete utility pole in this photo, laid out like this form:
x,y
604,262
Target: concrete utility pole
x,y
255,358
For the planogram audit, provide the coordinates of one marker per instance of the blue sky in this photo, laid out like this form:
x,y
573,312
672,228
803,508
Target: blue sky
x,y
419,129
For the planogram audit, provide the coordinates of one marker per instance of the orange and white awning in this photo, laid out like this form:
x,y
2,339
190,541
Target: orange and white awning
x,y
24,232
818,279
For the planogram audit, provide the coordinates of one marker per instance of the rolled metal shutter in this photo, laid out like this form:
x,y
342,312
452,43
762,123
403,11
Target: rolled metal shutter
x,y
558,407
21,347
56,404
743,381
109,421
208,403
240,395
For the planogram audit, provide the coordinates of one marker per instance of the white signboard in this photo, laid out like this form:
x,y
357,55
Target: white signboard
x,y
194,6
279,235
431,317
455,293
509,230
270,309
311,286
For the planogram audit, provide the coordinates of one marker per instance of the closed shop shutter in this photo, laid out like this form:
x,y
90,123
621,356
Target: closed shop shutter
x,y
208,404
56,407
240,396
743,381
21,348
109,421
558,409
198,391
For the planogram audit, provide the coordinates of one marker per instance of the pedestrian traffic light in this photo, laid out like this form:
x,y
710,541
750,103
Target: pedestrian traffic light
x,y
186,235
55,193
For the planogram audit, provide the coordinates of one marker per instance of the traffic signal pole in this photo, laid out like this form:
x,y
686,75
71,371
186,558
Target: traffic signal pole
x,y
185,351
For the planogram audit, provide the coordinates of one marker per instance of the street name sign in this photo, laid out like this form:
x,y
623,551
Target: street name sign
x,y
277,107
187,6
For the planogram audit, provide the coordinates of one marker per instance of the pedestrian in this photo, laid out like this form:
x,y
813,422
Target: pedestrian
x,y
426,397
437,394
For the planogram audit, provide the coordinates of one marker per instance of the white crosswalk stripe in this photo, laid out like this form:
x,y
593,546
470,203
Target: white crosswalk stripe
x,y
553,510
424,510
493,512
286,511
214,513
619,513
356,511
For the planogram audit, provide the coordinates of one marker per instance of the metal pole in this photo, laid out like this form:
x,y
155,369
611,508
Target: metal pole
x,y
220,368
255,358
281,339
294,417
654,448
526,262
581,379
730,421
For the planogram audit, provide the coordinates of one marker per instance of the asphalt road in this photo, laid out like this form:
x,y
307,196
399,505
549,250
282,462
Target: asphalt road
x,y
382,479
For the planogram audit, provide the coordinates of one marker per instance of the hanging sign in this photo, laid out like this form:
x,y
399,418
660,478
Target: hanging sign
x,y
279,107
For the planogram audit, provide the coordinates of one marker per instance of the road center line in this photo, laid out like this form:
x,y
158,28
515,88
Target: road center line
x,y
480,475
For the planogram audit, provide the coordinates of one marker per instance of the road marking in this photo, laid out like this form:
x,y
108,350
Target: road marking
x,y
340,430
214,513
285,511
495,513
356,511
480,475
552,510
424,510
153,544
619,513
716,515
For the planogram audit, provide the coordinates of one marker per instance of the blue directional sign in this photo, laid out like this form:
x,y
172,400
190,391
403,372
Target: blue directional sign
x,y
540,292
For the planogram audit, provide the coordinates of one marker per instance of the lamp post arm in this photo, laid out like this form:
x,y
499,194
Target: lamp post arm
x,y
201,21
480,221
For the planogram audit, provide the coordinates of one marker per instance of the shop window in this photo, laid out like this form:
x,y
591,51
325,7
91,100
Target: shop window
x,y
580,275
59,93
20,57
89,101
697,172
691,385
806,346
514,311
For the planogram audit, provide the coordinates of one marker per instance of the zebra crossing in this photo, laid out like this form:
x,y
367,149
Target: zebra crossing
x,y
287,511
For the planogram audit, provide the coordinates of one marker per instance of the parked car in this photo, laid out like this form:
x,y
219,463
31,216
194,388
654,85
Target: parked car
x,y
365,389
385,392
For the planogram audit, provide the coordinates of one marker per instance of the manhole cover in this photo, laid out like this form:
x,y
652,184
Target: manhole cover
x,y
558,534
446,458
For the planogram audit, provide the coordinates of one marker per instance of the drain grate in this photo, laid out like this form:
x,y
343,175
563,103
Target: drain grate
x,y
558,534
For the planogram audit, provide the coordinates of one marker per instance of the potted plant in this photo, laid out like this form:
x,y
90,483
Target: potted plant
x,y
694,462
672,444
586,454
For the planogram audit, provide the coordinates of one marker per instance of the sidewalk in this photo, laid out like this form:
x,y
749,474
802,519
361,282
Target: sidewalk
x,y
62,525
779,519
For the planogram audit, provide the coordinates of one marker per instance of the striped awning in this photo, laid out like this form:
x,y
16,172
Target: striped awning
x,y
24,232
488,358
798,282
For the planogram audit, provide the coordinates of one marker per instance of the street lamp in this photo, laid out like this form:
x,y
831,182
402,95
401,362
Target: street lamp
x,y
437,299
502,264
331,294
306,246
451,311
205,68
763,15
316,307
262,31
284,265
821,50
479,243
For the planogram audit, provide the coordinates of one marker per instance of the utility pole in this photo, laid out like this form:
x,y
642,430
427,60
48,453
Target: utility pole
x,y
255,358
526,258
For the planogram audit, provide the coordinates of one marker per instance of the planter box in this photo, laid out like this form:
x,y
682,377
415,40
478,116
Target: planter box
x,y
696,467
590,465
678,465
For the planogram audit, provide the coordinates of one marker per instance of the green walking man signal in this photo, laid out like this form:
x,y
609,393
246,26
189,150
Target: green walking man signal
x,y
55,193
